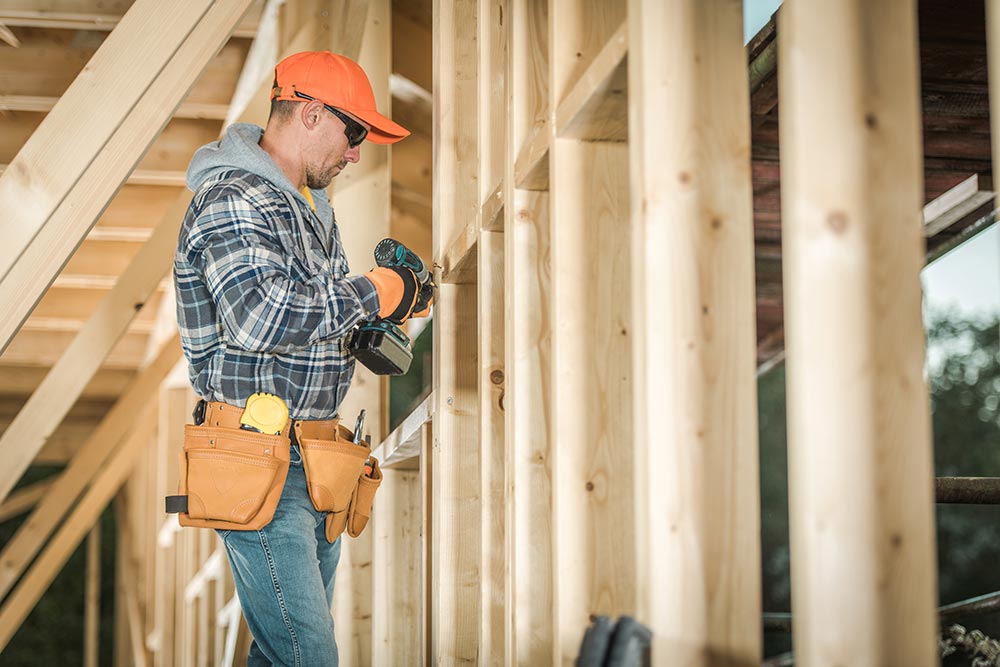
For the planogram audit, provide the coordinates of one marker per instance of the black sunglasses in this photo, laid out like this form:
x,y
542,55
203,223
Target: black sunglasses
x,y
355,131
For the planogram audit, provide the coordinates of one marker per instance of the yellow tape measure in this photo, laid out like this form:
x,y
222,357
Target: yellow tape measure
x,y
265,413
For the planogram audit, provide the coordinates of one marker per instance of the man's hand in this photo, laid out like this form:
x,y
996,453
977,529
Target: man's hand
x,y
425,299
397,292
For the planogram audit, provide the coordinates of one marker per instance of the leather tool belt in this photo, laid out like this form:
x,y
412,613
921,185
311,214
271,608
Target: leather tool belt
x,y
232,478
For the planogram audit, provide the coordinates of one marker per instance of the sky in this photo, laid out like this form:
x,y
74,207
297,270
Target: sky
x,y
967,279
756,14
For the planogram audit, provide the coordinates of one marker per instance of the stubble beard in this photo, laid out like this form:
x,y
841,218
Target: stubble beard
x,y
320,180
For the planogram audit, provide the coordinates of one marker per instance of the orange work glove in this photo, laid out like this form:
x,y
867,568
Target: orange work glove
x,y
397,292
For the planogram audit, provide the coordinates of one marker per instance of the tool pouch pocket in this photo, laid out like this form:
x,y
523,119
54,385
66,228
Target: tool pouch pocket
x,y
333,465
232,478
361,501
355,518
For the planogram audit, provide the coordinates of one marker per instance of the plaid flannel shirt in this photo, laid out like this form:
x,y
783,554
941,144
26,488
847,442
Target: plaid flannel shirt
x,y
263,301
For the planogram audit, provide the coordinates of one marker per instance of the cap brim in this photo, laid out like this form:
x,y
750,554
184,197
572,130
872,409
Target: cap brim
x,y
383,130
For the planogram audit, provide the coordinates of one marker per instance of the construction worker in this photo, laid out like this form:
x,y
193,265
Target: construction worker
x,y
264,301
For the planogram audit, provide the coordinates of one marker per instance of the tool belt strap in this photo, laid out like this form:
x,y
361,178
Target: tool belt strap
x,y
229,416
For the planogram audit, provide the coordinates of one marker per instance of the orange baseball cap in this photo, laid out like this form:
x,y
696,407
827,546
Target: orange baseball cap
x,y
338,81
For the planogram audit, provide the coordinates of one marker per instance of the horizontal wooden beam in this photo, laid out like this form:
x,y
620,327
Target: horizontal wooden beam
x,y
162,177
72,325
44,104
531,169
28,16
493,210
92,282
403,444
21,380
968,198
596,107
45,347
460,261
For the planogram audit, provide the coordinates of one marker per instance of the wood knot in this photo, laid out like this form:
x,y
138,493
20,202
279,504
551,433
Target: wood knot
x,y
837,221
590,486
496,377
871,120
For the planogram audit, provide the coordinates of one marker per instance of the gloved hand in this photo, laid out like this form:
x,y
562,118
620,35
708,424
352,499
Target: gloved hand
x,y
425,299
397,292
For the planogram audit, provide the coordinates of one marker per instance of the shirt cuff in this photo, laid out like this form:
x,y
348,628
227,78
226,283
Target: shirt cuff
x,y
368,295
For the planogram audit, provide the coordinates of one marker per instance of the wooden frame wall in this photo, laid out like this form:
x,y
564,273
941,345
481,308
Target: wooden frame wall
x,y
594,438
571,444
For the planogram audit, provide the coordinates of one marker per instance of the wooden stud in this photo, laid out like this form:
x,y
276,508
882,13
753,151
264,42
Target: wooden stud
x,y
455,544
361,197
395,524
591,437
863,562
492,396
57,188
92,597
696,472
426,608
528,597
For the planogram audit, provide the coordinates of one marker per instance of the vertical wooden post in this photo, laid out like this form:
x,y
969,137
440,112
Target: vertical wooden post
x,y
396,570
993,70
859,443
427,653
590,459
492,396
528,596
361,198
455,543
92,596
490,280
697,498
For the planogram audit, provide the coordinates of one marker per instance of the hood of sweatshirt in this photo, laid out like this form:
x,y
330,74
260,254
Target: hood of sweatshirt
x,y
240,148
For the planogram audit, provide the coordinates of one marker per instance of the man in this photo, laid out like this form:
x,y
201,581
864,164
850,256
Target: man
x,y
264,302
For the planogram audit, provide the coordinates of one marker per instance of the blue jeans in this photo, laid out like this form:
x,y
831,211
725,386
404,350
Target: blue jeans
x,y
284,578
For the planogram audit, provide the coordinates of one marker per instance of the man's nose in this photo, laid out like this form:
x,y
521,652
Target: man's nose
x,y
353,154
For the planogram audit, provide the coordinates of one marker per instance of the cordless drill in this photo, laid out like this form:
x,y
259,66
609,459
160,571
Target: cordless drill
x,y
380,344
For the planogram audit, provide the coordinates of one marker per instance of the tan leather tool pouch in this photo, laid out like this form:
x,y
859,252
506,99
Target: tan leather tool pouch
x,y
232,477
333,465
361,502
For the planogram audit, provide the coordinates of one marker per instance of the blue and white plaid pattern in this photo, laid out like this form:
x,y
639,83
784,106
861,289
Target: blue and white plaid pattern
x,y
262,303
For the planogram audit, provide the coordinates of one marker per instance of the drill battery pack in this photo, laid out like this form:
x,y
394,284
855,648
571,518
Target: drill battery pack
x,y
382,347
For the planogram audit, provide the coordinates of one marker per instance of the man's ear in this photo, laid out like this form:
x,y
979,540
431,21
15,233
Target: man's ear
x,y
310,113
